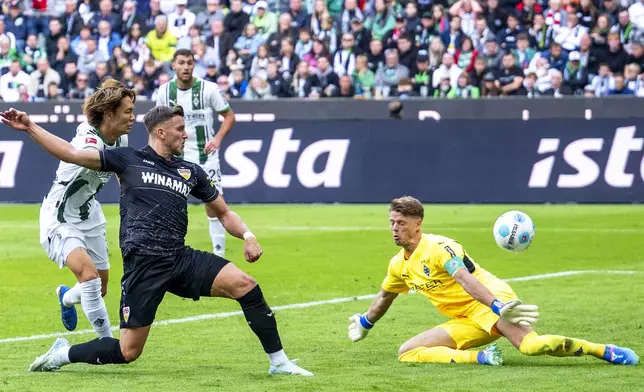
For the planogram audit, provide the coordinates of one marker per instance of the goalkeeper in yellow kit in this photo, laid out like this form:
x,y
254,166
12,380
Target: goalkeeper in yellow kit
x,y
481,307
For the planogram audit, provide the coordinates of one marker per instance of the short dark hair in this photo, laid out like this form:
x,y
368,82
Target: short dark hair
x,y
408,206
183,52
160,114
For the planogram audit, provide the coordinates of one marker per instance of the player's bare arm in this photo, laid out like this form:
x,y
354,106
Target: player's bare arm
x,y
380,305
234,225
474,287
226,125
54,145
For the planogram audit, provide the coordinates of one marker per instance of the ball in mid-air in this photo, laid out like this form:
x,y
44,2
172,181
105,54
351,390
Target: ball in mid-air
x,y
514,231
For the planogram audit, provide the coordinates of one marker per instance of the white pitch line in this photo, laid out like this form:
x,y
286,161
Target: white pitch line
x,y
633,230
306,305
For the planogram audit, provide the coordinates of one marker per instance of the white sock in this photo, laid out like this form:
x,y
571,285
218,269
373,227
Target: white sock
x,y
94,307
218,237
62,356
277,358
72,296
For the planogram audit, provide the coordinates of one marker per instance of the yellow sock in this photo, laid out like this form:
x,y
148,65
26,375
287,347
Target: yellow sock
x,y
559,346
439,355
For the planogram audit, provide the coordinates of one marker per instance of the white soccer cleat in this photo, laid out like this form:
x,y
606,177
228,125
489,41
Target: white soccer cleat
x,y
289,367
47,361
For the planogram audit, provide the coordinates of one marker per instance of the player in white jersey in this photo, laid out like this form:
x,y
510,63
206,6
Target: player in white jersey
x,y
202,102
72,224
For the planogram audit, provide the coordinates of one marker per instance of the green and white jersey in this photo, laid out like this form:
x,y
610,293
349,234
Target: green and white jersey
x,y
201,105
71,197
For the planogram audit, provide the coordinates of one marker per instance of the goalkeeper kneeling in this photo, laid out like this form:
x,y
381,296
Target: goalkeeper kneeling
x,y
481,306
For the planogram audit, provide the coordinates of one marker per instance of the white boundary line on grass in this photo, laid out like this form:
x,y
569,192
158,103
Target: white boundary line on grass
x,y
308,305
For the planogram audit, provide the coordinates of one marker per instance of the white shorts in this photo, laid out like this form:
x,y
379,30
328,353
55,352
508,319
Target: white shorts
x,y
213,170
63,238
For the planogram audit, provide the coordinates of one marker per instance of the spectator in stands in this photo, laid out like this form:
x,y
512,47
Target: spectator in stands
x,y
436,50
523,53
63,55
490,86
73,22
17,23
220,41
405,89
381,21
588,57
236,19
68,78
317,50
107,39
620,86
54,93
466,56
259,65
99,75
555,16
304,44
181,20
161,41
481,34
633,78
422,77
82,89
492,54
239,84
507,38
32,53
346,89
304,83
447,68
107,14
479,71
390,39
453,36
540,33
11,81
636,13
288,59
150,17
364,79
406,52
376,56
212,73
575,75
441,20
411,14
350,12
510,76
258,88
599,34
464,88
319,10
299,16
528,10
637,54
185,42
5,33
7,55
615,56
41,78
361,35
624,28
443,89
210,14
55,33
284,30
425,31
264,20
88,60
555,56
587,13
129,17
495,16
604,82
248,43
530,89
328,33
569,36
558,89
279,87
79,44
390,73
344,61
467,12
329,80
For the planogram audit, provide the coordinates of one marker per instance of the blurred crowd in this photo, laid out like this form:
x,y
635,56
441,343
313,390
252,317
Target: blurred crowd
x,y
366,49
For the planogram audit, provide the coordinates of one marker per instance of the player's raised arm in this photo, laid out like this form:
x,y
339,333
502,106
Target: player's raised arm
x,y
54,145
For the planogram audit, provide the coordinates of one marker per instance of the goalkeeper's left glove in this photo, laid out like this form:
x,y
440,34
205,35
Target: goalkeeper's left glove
x,y
359,327
516,313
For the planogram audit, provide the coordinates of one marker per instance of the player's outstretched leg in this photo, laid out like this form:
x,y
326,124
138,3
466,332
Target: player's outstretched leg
x,y
233,283
561,346
67,298
90,285
437,346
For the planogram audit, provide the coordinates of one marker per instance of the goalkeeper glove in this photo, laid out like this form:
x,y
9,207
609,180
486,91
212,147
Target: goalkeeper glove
x,y
359,327
516,313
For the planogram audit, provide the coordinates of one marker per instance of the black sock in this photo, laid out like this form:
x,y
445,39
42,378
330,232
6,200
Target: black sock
x,y
100,351
261,319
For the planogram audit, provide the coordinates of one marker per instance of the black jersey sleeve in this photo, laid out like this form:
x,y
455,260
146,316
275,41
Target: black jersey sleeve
x,y
205,189
116,160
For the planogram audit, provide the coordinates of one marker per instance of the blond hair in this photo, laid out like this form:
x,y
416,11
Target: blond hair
x,y
408,206
107,98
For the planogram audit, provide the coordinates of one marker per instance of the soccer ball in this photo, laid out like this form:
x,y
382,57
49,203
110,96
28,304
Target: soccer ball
x,y
514,231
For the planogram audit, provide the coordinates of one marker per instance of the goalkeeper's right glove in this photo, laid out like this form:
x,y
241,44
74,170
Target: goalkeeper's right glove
x,y
516,313
359,327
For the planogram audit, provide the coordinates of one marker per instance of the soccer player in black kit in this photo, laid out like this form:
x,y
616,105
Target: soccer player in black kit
x,y
154,220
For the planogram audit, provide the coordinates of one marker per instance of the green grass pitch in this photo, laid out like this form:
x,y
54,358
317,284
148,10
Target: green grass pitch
x,y
321,252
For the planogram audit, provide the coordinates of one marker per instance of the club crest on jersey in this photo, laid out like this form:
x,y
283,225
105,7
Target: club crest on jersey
x,y
426,270
185,173
126,313
90,140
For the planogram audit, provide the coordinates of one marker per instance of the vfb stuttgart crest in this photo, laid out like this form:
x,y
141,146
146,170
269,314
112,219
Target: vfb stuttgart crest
x,y
126,313
185,173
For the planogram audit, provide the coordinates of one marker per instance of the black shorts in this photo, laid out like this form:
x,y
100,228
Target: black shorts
x,y
188,274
